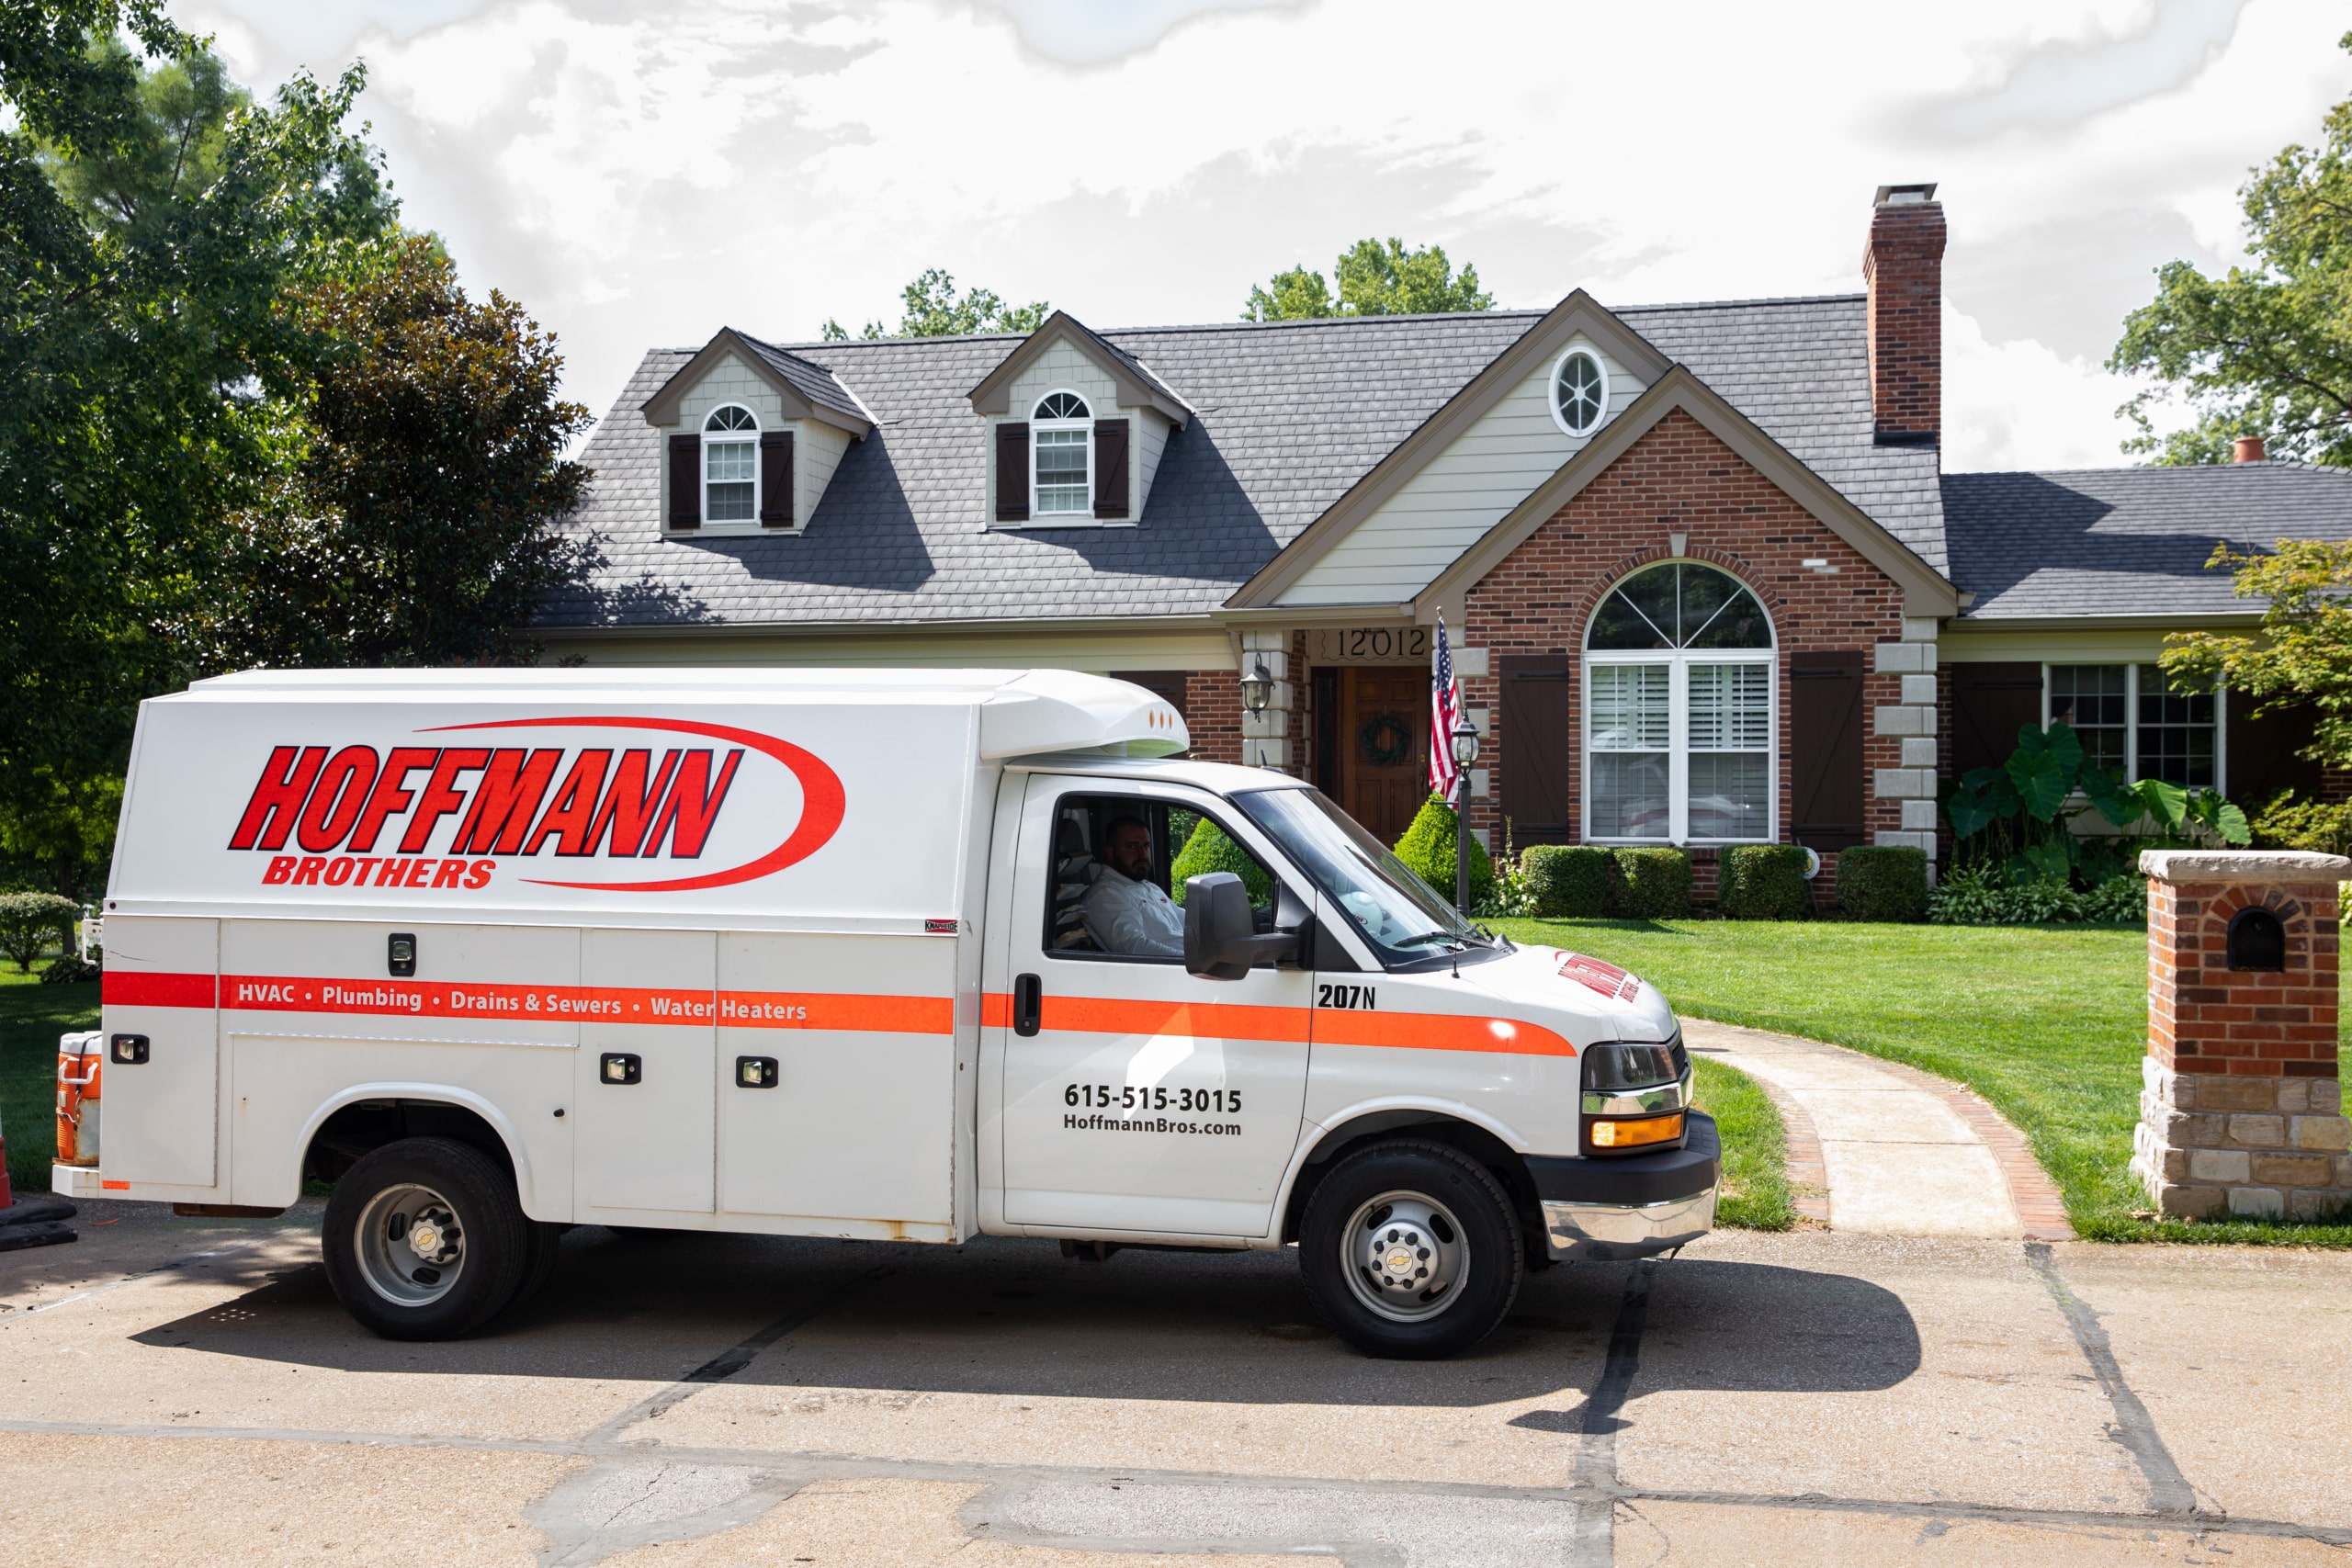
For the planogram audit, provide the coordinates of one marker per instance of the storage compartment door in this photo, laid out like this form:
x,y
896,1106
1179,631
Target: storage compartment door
x,y
646,1073
160,1119
856,1137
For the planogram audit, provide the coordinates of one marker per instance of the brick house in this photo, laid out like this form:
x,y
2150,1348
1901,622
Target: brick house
x,y
1702,573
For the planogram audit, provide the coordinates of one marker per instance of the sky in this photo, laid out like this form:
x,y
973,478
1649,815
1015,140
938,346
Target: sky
x,y
640,176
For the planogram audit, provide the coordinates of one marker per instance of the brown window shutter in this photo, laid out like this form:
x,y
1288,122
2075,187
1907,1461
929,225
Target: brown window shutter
x,y
1826,719
1110,468
1013,472
686,481
776,479
1539,740
1990,703
2260,752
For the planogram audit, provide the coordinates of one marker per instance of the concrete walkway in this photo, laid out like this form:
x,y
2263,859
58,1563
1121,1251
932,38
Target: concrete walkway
x,y
1902,1152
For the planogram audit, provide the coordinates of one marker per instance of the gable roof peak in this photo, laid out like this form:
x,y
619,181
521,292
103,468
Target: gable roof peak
x,y
1138,387
806,390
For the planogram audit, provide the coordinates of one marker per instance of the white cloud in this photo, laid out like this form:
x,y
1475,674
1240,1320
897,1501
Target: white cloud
x,y
640,176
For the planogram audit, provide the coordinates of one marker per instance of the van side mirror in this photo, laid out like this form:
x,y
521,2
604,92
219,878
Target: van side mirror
x,y
1221,941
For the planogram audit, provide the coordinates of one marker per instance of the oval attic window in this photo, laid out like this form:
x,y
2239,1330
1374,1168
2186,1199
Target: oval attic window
x,y
1579,391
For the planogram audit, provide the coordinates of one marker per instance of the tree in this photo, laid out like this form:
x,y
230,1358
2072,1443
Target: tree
x,y
2304,651
2267,349
1375,279
416,519
933,309
151,219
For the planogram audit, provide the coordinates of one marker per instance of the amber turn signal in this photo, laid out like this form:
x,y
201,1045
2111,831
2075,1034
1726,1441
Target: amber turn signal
x,y
1632,1134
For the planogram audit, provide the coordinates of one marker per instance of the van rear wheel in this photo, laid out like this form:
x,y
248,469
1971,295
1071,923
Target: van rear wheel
x,y
1411,1250
424,1239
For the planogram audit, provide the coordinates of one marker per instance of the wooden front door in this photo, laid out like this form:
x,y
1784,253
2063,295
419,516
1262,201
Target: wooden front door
x,y
1384,746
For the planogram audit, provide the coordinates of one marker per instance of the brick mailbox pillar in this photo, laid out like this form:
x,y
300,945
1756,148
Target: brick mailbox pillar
x,y
2240,1113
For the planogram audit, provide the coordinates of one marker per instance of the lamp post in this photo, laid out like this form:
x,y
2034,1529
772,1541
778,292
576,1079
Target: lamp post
x,y
1258,689
1465,751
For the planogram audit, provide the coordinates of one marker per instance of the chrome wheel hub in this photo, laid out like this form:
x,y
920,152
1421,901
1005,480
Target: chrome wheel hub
x,y
410,1246
1404,1255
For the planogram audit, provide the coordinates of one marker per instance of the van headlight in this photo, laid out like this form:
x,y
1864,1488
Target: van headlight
x,y
1635,1095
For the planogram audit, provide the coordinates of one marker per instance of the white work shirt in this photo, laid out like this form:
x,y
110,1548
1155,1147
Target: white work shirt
x,y
1133,918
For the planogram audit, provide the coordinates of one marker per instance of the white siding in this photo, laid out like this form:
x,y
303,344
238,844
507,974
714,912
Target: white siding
x,y
816,451
1458,495
1150,441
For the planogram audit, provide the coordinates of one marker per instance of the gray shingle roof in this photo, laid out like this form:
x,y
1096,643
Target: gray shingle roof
x,y
1288,415
811,381
2128,541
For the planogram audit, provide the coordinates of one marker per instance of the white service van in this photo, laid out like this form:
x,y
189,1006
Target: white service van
x,y
868,953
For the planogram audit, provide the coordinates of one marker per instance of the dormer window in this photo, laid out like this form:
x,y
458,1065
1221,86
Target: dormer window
x,y
1579,393
730,465
1062,430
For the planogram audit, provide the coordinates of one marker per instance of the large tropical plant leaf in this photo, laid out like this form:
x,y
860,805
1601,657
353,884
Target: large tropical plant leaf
x,y
2109,795
2042,779
2166,802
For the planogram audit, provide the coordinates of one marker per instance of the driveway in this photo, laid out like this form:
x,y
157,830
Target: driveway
x,y
181,1391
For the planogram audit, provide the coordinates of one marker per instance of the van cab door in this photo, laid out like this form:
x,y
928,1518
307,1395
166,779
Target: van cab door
x,y
1137,1096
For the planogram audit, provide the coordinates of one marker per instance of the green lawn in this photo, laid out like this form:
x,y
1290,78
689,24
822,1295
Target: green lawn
x,y
31,1018
2049,1023
1756,1147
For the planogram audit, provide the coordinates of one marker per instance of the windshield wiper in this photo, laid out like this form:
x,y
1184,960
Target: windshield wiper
x,y
1429,937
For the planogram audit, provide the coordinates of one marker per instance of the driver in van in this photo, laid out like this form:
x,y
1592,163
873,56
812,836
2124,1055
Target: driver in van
x,y
1126,909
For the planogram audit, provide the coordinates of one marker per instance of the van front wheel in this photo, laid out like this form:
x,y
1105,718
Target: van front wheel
x,y
1410,1250
423,1239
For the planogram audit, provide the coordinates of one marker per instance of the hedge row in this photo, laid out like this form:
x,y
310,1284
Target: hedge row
x,y
1761,882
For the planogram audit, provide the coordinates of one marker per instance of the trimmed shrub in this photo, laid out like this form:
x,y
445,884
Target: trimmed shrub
x,y
1883,882
27,921
1765,882
1428,848
1652,885
1570,881
1209,850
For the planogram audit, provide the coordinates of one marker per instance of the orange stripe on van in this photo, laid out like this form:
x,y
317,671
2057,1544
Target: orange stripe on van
x,y
1222,1021
1437,1032
1327,1026
597,1004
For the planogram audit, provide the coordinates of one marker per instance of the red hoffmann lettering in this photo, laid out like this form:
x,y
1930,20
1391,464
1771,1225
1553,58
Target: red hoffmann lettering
x,y
345,804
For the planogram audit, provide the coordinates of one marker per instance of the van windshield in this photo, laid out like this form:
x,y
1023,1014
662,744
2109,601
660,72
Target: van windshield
x,y
1401,915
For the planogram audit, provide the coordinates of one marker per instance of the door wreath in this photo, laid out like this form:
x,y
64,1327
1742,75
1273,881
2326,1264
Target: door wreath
x,y
1385,740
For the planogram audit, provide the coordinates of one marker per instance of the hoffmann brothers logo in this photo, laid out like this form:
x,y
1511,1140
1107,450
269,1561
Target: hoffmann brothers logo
x,y
362,817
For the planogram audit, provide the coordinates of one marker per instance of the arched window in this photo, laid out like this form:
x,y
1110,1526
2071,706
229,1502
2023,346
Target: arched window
x,y
1579,391
730,465
1061,469
1678,711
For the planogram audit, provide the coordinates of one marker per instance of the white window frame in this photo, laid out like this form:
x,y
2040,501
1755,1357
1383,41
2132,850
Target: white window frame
x,y
702,480
1552,390
1677,743
2132,716
1038,516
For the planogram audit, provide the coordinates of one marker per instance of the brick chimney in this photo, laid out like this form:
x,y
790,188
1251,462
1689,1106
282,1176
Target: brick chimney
x,y
1903,271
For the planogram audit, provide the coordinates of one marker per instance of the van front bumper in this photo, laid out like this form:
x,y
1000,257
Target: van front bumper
x,y
1610,1209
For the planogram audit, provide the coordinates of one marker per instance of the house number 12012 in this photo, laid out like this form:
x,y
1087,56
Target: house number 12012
x,y
1369,645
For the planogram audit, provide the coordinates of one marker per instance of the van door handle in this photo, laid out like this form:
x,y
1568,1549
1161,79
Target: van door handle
x,y
1028,994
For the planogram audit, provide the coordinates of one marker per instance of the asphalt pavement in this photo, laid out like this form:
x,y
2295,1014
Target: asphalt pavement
x,y
187,1392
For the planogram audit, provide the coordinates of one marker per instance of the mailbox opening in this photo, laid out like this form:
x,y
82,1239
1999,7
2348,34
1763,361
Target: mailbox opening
x,y
2257,941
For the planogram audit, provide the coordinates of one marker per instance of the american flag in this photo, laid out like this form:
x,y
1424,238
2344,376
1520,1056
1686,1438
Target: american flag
x,y
1445,712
